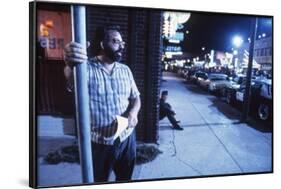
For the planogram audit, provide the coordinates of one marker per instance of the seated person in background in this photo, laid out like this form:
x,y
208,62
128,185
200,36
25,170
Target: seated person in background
x,y
166,111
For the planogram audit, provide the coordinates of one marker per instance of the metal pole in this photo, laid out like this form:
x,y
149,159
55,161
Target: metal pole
x,y
247,94
78,14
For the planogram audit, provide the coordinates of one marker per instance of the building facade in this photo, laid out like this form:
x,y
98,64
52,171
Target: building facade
x,y
141,29
263,53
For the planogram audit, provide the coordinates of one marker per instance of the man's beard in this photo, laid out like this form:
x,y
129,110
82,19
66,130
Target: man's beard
x,y
115,56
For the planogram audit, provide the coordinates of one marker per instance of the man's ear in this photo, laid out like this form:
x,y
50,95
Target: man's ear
x,y
101,45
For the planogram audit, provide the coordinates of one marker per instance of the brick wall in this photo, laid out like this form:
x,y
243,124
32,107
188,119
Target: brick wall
x,y
153,75
141,29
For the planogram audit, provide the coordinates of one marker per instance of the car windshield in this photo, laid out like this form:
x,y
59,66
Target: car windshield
x,y
201,74
239,80
217,77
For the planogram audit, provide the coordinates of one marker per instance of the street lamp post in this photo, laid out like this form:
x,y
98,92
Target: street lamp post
x,y
247,94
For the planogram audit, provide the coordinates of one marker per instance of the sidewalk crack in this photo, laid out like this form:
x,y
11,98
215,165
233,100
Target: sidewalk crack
x,y
195,170
174,145
175,155
219,140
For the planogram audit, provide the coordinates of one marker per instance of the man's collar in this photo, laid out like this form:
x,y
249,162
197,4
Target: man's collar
x,y
98,64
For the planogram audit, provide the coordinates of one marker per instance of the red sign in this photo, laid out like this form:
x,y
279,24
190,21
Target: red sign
x,y
54,32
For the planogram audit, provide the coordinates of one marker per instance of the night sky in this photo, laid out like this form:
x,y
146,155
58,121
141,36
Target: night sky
x,y
214,31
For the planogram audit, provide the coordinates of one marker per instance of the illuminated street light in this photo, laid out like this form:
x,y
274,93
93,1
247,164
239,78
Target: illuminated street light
x,y
263,35
203,48
237,41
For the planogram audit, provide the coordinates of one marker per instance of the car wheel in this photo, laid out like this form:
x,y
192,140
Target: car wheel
x,y
263,111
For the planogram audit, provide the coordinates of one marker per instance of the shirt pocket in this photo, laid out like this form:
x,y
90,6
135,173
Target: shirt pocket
x,y
123,87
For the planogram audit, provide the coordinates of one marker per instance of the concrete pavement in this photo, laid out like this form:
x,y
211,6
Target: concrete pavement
x,y
213,142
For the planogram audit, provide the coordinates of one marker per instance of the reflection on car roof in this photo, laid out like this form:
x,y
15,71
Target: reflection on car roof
x,y
217,75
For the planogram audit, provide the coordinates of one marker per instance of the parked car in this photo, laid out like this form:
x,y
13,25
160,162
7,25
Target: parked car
x,y
265,101
234,83
189,74
202,76
183,71
217,82
199,75
260,98
204,81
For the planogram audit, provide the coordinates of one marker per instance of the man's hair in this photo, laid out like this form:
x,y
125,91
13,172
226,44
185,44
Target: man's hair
x,y
164,93
101,34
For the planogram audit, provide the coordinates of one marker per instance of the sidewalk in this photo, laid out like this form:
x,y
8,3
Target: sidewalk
x,y
212,142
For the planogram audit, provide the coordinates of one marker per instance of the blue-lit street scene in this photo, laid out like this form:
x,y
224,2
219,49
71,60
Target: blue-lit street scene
x,y
212,52
205,84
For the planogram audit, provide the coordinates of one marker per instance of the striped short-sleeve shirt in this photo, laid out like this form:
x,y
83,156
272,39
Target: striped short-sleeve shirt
x,y
109,96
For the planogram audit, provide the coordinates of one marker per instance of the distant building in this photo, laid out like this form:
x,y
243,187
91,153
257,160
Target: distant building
x,y
263,53
262,59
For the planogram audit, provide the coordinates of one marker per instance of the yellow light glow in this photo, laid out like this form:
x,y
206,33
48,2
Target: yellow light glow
x,y
44,31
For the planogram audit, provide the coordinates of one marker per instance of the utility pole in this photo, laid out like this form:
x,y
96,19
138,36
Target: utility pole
x,y
78,17
247,94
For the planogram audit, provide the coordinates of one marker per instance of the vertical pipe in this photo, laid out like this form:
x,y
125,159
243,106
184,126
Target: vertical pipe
x,y
78,14
247,94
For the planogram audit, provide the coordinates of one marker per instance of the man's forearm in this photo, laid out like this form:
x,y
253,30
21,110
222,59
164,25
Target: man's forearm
x,y
135,106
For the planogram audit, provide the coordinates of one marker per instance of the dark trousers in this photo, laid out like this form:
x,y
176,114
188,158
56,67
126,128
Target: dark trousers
x,y
166,111
119,157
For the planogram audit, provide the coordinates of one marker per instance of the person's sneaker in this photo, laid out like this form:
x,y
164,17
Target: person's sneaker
x,y
177,127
